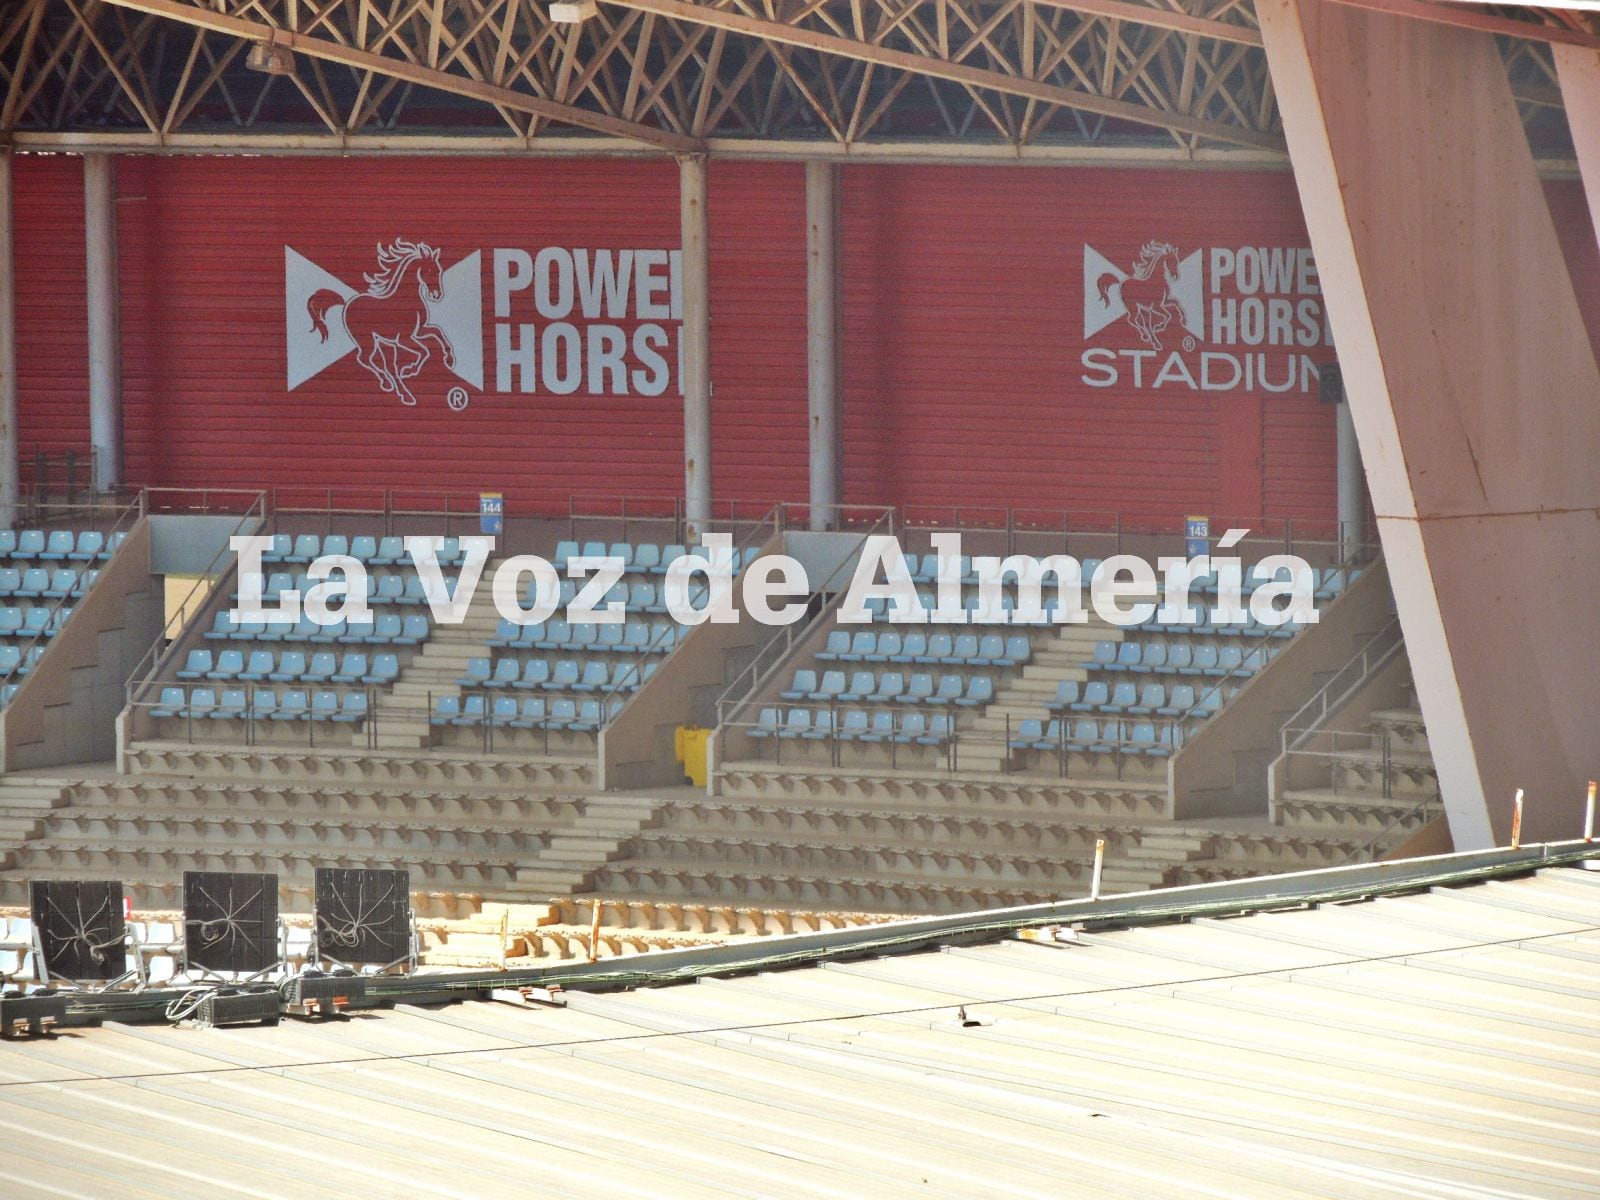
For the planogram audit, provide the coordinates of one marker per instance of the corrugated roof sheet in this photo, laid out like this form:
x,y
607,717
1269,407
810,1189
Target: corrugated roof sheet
x,y
1434,1045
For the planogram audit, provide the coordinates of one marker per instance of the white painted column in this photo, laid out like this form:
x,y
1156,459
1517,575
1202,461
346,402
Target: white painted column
x,y
1472,386
822,340
105,363
1352,485
696,335
10,463
1578,70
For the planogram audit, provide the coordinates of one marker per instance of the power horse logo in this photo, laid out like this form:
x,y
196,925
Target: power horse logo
x,y
1158,289
413,308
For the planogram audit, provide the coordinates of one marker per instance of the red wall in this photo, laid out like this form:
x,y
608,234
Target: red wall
x,y
963,333
52,306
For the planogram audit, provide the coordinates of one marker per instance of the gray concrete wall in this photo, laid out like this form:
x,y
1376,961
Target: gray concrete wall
x,y
66,709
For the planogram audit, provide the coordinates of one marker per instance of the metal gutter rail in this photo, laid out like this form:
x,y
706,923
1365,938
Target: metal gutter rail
x,y
1229,898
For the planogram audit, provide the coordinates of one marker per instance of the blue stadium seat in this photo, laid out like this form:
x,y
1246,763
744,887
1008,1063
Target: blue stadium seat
x,y
477,673
1179,701
1180,657
385,630
913,646
10,581
228,665
385,668
445,710
8,543
414,630
669,555
821,726
1205,661
230,707
291,665
170,704
1144,738
862,684
10,659
306,547
35,582
391,552
948,690
964,651
887,647
532,713
1152,657
30,544
196,666
1066,695
593,678
913,727
594,550
837,645
646,557
624,551
386,589
1030,732
589,718
941,649
563,713
1105,654
292,706
1084,737
323,664
1152,698
258,666
1096,694
280,549
363,548
58,545
803,684
358,631
564,551
1123,697
919,689
263,703
636,637
506,672
353,708
853,722
766,724
202,701
891,686
36,621
557,633
336,543
832,685
474,710
798,721
938,730
535,674
351,669
1230,661
980,691
565,674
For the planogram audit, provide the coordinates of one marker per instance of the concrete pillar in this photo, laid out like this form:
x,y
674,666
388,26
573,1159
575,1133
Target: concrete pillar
x,y
822,340
696,335
1352,486
105,343
9,457
1473,389
1578,70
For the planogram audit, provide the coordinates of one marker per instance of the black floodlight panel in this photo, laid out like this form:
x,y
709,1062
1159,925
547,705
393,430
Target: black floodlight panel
x,y
363,916
80,928
230,921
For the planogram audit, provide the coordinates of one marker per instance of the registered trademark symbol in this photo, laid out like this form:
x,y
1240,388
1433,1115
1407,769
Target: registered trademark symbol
x,y
456,398
1188,344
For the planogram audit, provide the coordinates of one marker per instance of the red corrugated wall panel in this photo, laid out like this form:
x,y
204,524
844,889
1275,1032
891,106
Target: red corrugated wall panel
x,y
52,308
964,333
758,331
965,329
203,279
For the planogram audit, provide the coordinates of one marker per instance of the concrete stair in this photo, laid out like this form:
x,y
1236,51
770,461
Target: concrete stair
x,y
435,670
25,802
1056,658
600,835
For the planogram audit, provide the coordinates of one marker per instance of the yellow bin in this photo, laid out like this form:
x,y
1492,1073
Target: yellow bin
x,y
689,744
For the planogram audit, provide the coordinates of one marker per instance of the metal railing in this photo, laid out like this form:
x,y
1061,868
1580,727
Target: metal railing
x,y
1346,682
55,623
1363,753
823,600
222,566
956,749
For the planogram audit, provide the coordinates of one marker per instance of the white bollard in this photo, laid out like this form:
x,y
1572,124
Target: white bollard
x,y
1099,864
1516,821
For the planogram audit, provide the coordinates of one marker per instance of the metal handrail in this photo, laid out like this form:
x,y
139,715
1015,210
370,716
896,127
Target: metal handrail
x,y
54,626
1363,852
167,641
1383,646
778,649
630,681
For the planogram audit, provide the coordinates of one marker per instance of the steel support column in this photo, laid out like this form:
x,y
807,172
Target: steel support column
x,y
822,340
1578,69
105,367
9,458
1352,485
696,335
1473,389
